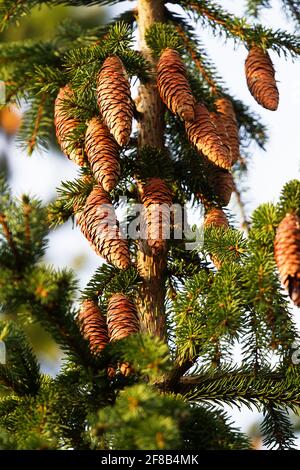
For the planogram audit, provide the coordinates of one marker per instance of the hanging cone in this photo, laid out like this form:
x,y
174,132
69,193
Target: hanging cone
x,y
226,110
114,99
65,126
202,133
287,255
173,85
10,119
100,227
216,218
122,317
260,75
221,183
93,326
156,198
103,154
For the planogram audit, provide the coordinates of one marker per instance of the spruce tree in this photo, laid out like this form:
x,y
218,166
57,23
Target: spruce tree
x,y
148,348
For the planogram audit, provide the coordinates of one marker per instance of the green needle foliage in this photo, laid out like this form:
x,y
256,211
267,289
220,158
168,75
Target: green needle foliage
x,y
174,394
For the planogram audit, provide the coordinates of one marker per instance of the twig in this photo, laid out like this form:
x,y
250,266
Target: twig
x,y
32,140
245,222
8,235
198,62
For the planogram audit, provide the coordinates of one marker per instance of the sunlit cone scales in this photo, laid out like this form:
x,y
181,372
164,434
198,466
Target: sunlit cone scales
x,y
103,154
10,119
287,255
216,218
65,125
260,75
114,99
93,326
156,198
226,110
203,134
122,317
101,229
221,183
173,85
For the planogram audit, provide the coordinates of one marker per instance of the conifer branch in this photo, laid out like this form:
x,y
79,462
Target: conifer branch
x,y
31,143
196,57
238,28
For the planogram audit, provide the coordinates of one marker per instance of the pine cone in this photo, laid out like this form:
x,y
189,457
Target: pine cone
x,y
65,126
221,183
173,85
226,110
122,317
156,198
103,154
287,255
93,326
114,99
10,119
216,218
202,133
260,75
100,227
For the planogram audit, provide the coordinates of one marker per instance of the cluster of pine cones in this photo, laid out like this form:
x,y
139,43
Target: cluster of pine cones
x,y
214,134
120,322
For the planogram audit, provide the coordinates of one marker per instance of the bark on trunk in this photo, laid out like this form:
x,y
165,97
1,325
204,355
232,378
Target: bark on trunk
x,y
151,133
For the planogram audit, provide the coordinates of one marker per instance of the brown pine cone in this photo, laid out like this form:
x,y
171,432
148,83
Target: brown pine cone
x,y
216,218
203,134
156,198
260,75
100,227
65,126
226,110
122,317
114,99
93,326
221,183
103,154
173,85
287,255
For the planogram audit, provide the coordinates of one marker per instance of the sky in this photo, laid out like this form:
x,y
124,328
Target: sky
x,y
40,174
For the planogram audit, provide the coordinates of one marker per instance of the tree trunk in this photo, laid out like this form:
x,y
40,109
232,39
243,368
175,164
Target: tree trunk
x,y
151,301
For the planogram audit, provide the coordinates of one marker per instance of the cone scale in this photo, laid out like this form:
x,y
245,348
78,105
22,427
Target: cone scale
x,y
203,134
65,125
287,255
93,326
100,226
114,99
173,85
103,154
260,75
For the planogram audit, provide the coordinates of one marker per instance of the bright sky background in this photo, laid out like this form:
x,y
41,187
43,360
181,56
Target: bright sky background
x,y
268,171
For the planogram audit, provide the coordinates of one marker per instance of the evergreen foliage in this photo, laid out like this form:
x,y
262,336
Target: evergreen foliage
x,y
178,384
